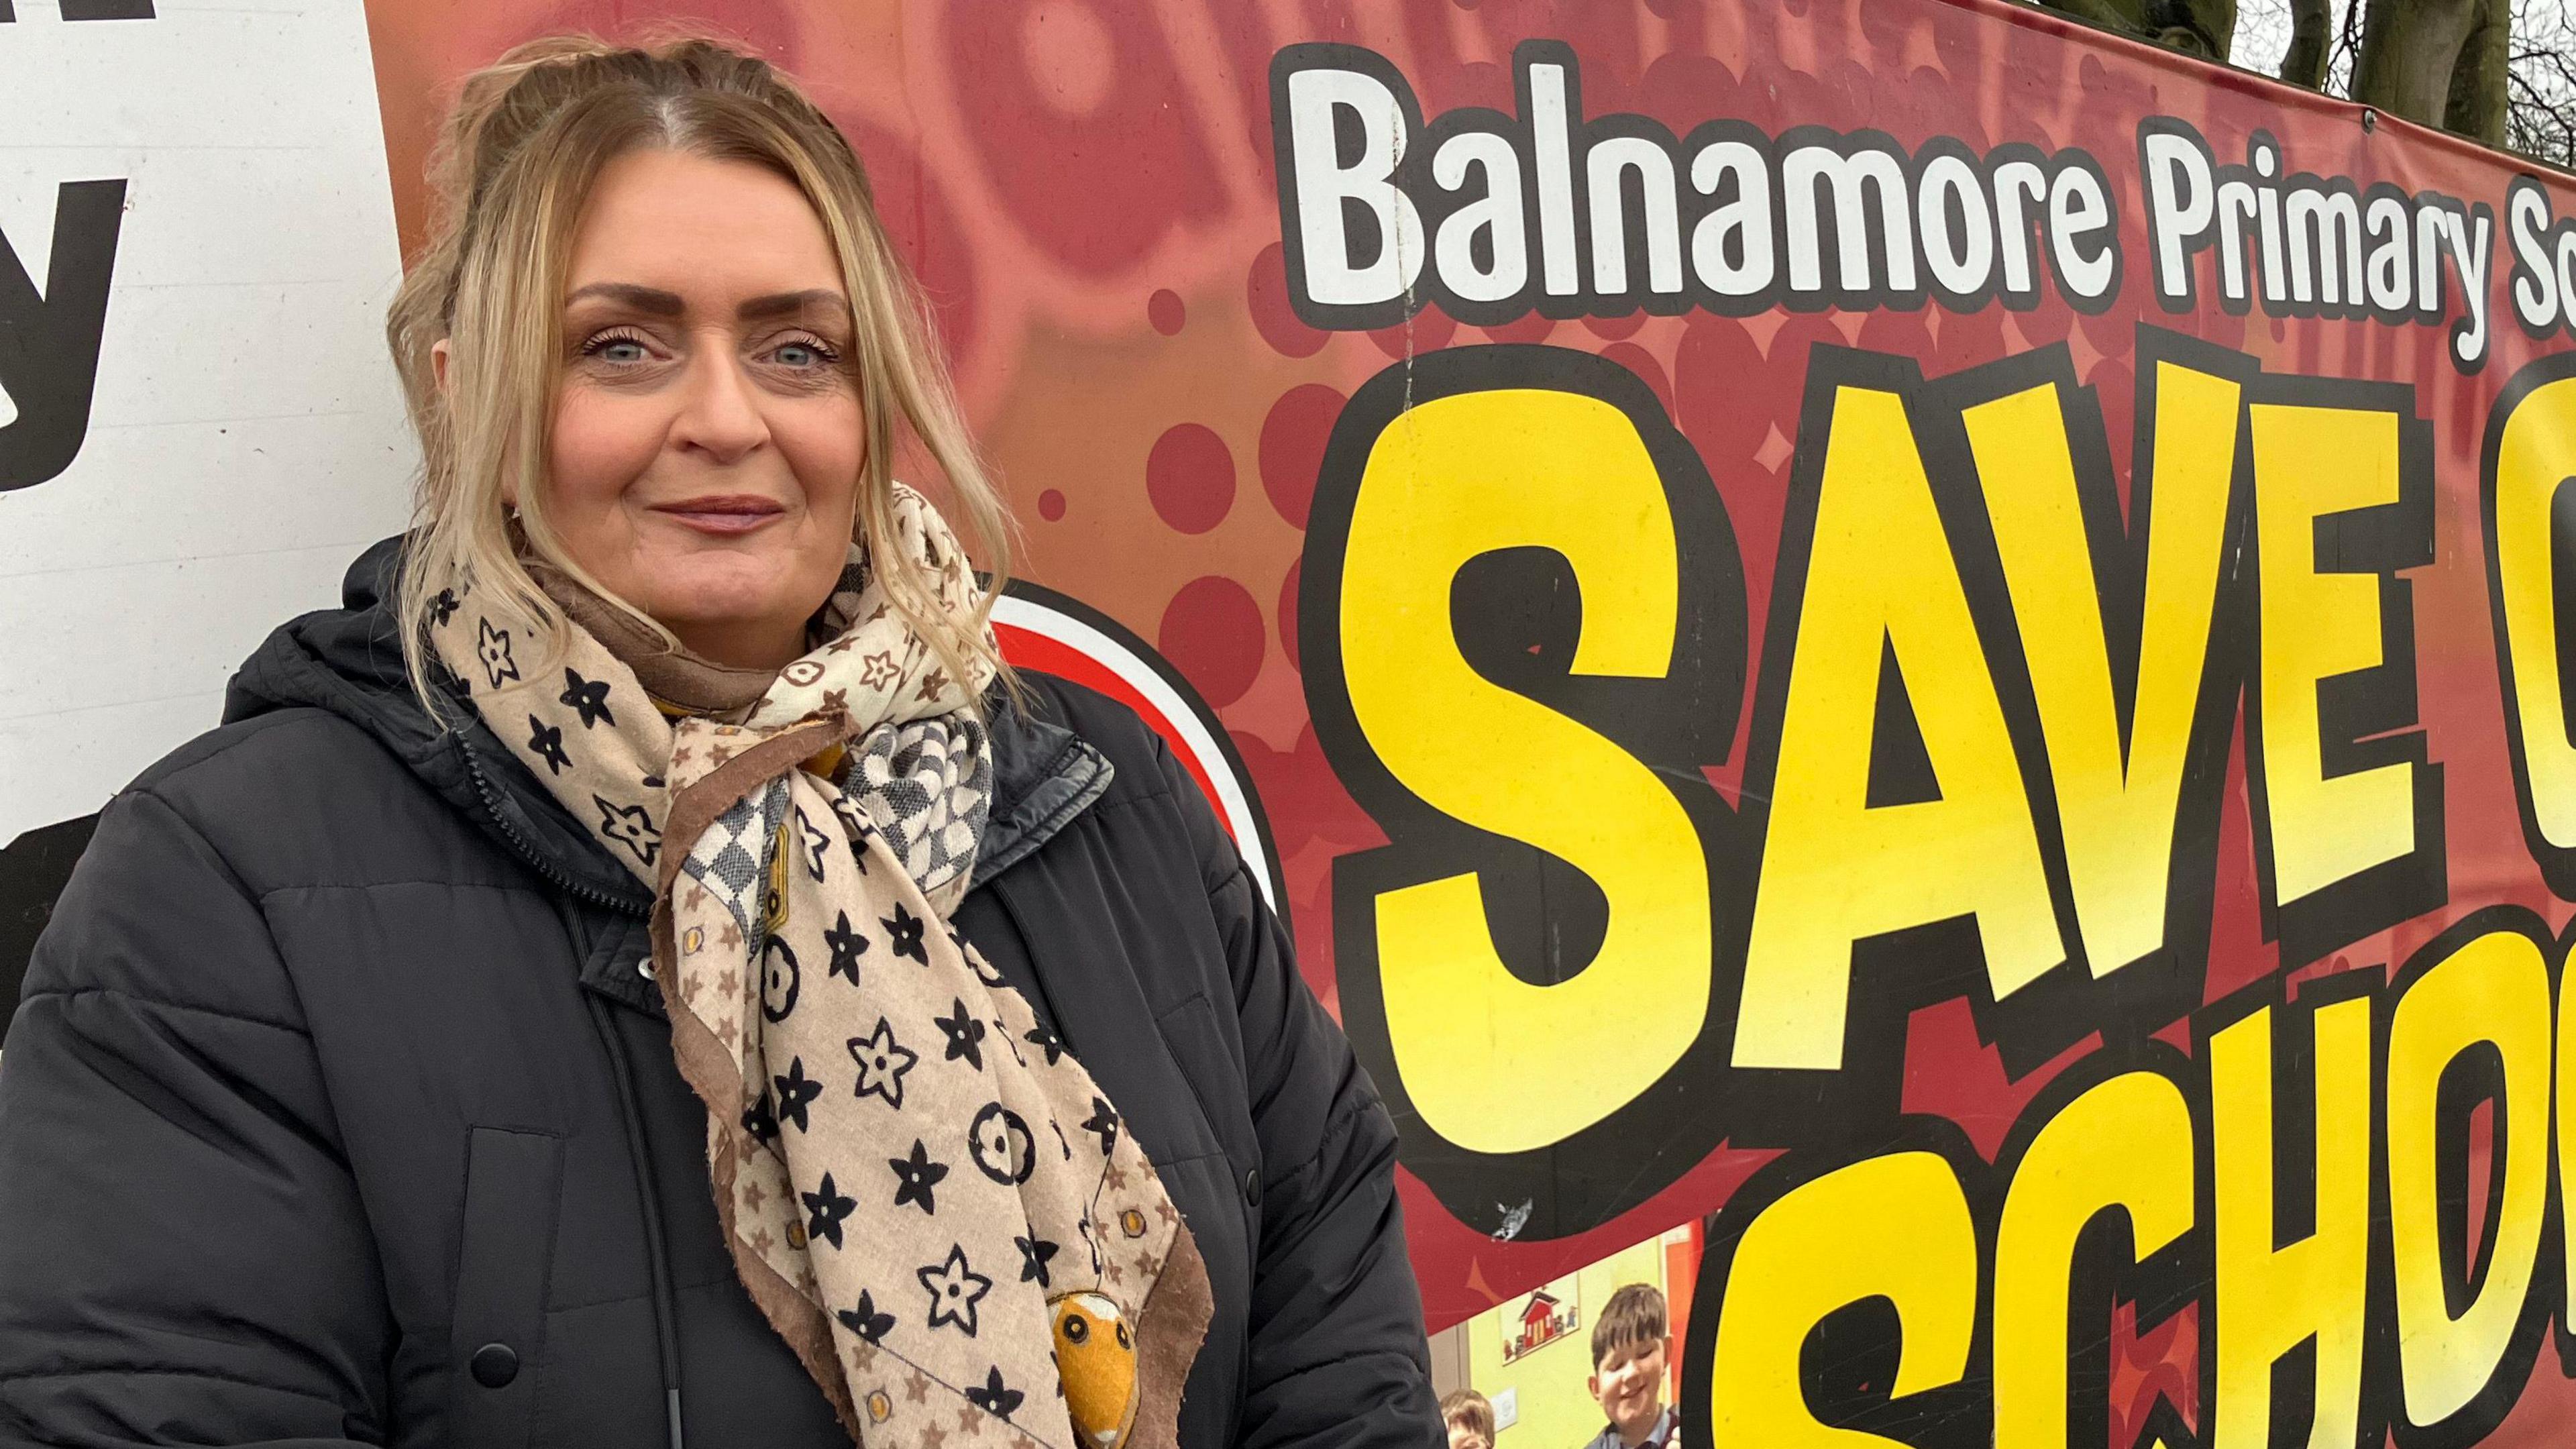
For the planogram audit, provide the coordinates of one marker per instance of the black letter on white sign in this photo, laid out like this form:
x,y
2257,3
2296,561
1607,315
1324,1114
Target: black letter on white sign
x,y
49,342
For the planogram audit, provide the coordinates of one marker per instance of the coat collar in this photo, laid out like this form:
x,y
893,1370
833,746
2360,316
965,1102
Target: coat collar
x,y
349,661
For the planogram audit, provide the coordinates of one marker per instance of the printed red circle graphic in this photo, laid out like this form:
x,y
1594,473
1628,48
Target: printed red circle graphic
x,y
1714,367
1190,477
1292,447
1266,292
1529,328
1288,613
1211,632
1165,311
1051,504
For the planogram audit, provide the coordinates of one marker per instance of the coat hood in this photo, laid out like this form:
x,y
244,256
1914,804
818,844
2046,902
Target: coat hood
x,y
349,661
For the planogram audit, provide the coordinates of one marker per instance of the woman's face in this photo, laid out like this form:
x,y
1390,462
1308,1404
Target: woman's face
x,y
707,437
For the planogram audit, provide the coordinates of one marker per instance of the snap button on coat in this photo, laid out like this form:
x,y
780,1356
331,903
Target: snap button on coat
x,y
494,1365
1252,1188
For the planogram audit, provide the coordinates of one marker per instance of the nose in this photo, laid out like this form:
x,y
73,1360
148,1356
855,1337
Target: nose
x,y
719,412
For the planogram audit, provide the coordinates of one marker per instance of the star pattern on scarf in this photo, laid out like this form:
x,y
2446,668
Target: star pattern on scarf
x,y
1103,1122
903,934
866,1321
826,1206
879,671
916,1177
796,1092
955,1288
760,1119
588,698
492,650
547,742
1034,1253
847,947
882,1062
965,1034
630,826
995,1397
1046,1041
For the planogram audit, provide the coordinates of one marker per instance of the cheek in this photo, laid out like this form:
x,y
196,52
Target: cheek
x,y
824,443
601,445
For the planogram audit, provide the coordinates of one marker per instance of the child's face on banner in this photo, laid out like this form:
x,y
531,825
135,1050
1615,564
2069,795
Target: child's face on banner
x,y
1629,1381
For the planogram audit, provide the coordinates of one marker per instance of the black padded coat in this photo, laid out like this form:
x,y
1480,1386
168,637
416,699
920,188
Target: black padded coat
x,y
339,1105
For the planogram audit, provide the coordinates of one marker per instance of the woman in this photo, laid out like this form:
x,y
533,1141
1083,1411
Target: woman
x,y
640,971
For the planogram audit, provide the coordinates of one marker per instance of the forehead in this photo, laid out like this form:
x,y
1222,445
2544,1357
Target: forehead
x,y
714,232
1628,1352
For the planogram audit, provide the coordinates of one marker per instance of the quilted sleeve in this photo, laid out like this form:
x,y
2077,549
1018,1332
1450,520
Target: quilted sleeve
x,y
183,1256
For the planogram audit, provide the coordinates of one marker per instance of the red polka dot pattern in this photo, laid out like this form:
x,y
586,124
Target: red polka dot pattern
x,y
1190,477
1212,633
1288,612
1267,294
1292,447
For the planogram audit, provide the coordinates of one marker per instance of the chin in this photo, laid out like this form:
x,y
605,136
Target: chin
x,y
717,601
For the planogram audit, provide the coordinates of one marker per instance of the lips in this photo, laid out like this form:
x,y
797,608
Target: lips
x,y
723,514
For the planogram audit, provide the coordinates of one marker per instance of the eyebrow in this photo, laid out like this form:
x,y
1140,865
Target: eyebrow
x,y
670,304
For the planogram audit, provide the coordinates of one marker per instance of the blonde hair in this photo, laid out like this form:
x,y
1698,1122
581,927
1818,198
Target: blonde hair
x,y
525,142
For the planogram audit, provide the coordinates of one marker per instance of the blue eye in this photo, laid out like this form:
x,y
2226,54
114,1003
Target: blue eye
x,y
617,347
805,355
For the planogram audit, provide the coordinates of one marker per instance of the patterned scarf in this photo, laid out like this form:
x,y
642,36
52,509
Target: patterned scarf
x,y
926,1195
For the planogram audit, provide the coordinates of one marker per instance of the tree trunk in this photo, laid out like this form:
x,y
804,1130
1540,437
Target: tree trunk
x,y
2196,27
2478,82
2409,51
2311,27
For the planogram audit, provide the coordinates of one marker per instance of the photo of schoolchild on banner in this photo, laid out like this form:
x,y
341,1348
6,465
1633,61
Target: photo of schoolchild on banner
x,y
1906,670
1902,661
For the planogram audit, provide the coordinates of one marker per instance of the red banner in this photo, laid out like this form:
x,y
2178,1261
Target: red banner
x,y
1920,643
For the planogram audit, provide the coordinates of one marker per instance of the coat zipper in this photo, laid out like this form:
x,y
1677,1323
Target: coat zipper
x,y
537,860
